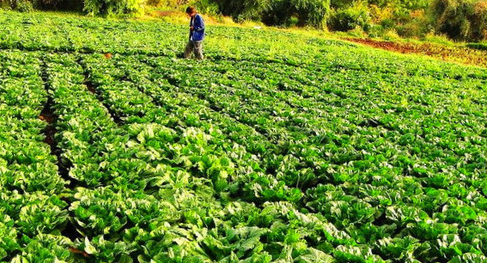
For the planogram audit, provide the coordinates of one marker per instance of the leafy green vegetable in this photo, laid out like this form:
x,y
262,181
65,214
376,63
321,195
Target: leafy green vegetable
x,y
278,147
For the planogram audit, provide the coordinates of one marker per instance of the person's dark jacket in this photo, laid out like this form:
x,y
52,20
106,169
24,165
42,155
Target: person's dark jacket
x,y
198,33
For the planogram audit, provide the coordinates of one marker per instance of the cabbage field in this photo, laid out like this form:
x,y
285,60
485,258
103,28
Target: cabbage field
x,y
279,147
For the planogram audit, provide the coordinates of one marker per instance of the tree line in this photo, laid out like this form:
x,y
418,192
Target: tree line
x,y
458,19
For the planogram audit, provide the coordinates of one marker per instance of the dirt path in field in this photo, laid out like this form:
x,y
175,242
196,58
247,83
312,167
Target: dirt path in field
x,y
462,55
47,115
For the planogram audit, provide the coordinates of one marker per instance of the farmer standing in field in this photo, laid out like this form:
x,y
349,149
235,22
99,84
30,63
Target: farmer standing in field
x,y
196,34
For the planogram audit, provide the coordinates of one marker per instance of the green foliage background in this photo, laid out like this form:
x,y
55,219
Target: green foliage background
x,y
464,20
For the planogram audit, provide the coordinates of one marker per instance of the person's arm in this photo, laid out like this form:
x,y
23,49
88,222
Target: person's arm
x,y
199,24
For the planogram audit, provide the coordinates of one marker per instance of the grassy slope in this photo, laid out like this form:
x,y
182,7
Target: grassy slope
x,y
435,47
432,46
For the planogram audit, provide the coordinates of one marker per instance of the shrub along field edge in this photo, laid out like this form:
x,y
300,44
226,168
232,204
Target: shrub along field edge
x,y
460,20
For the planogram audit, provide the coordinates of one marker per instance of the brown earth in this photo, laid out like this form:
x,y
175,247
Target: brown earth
x,y
166,13
47,116
462,55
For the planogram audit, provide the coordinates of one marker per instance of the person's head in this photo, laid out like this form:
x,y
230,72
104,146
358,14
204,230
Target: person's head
x,y
191,11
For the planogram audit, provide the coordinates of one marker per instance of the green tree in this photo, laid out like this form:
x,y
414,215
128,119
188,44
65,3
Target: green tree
x,y
461,19
113,7
280,12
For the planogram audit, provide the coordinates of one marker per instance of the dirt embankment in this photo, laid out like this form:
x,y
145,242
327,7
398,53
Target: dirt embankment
x,y
462,55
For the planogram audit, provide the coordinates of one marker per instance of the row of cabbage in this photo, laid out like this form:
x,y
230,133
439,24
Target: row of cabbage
x,y
32,210
322,148
158,189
